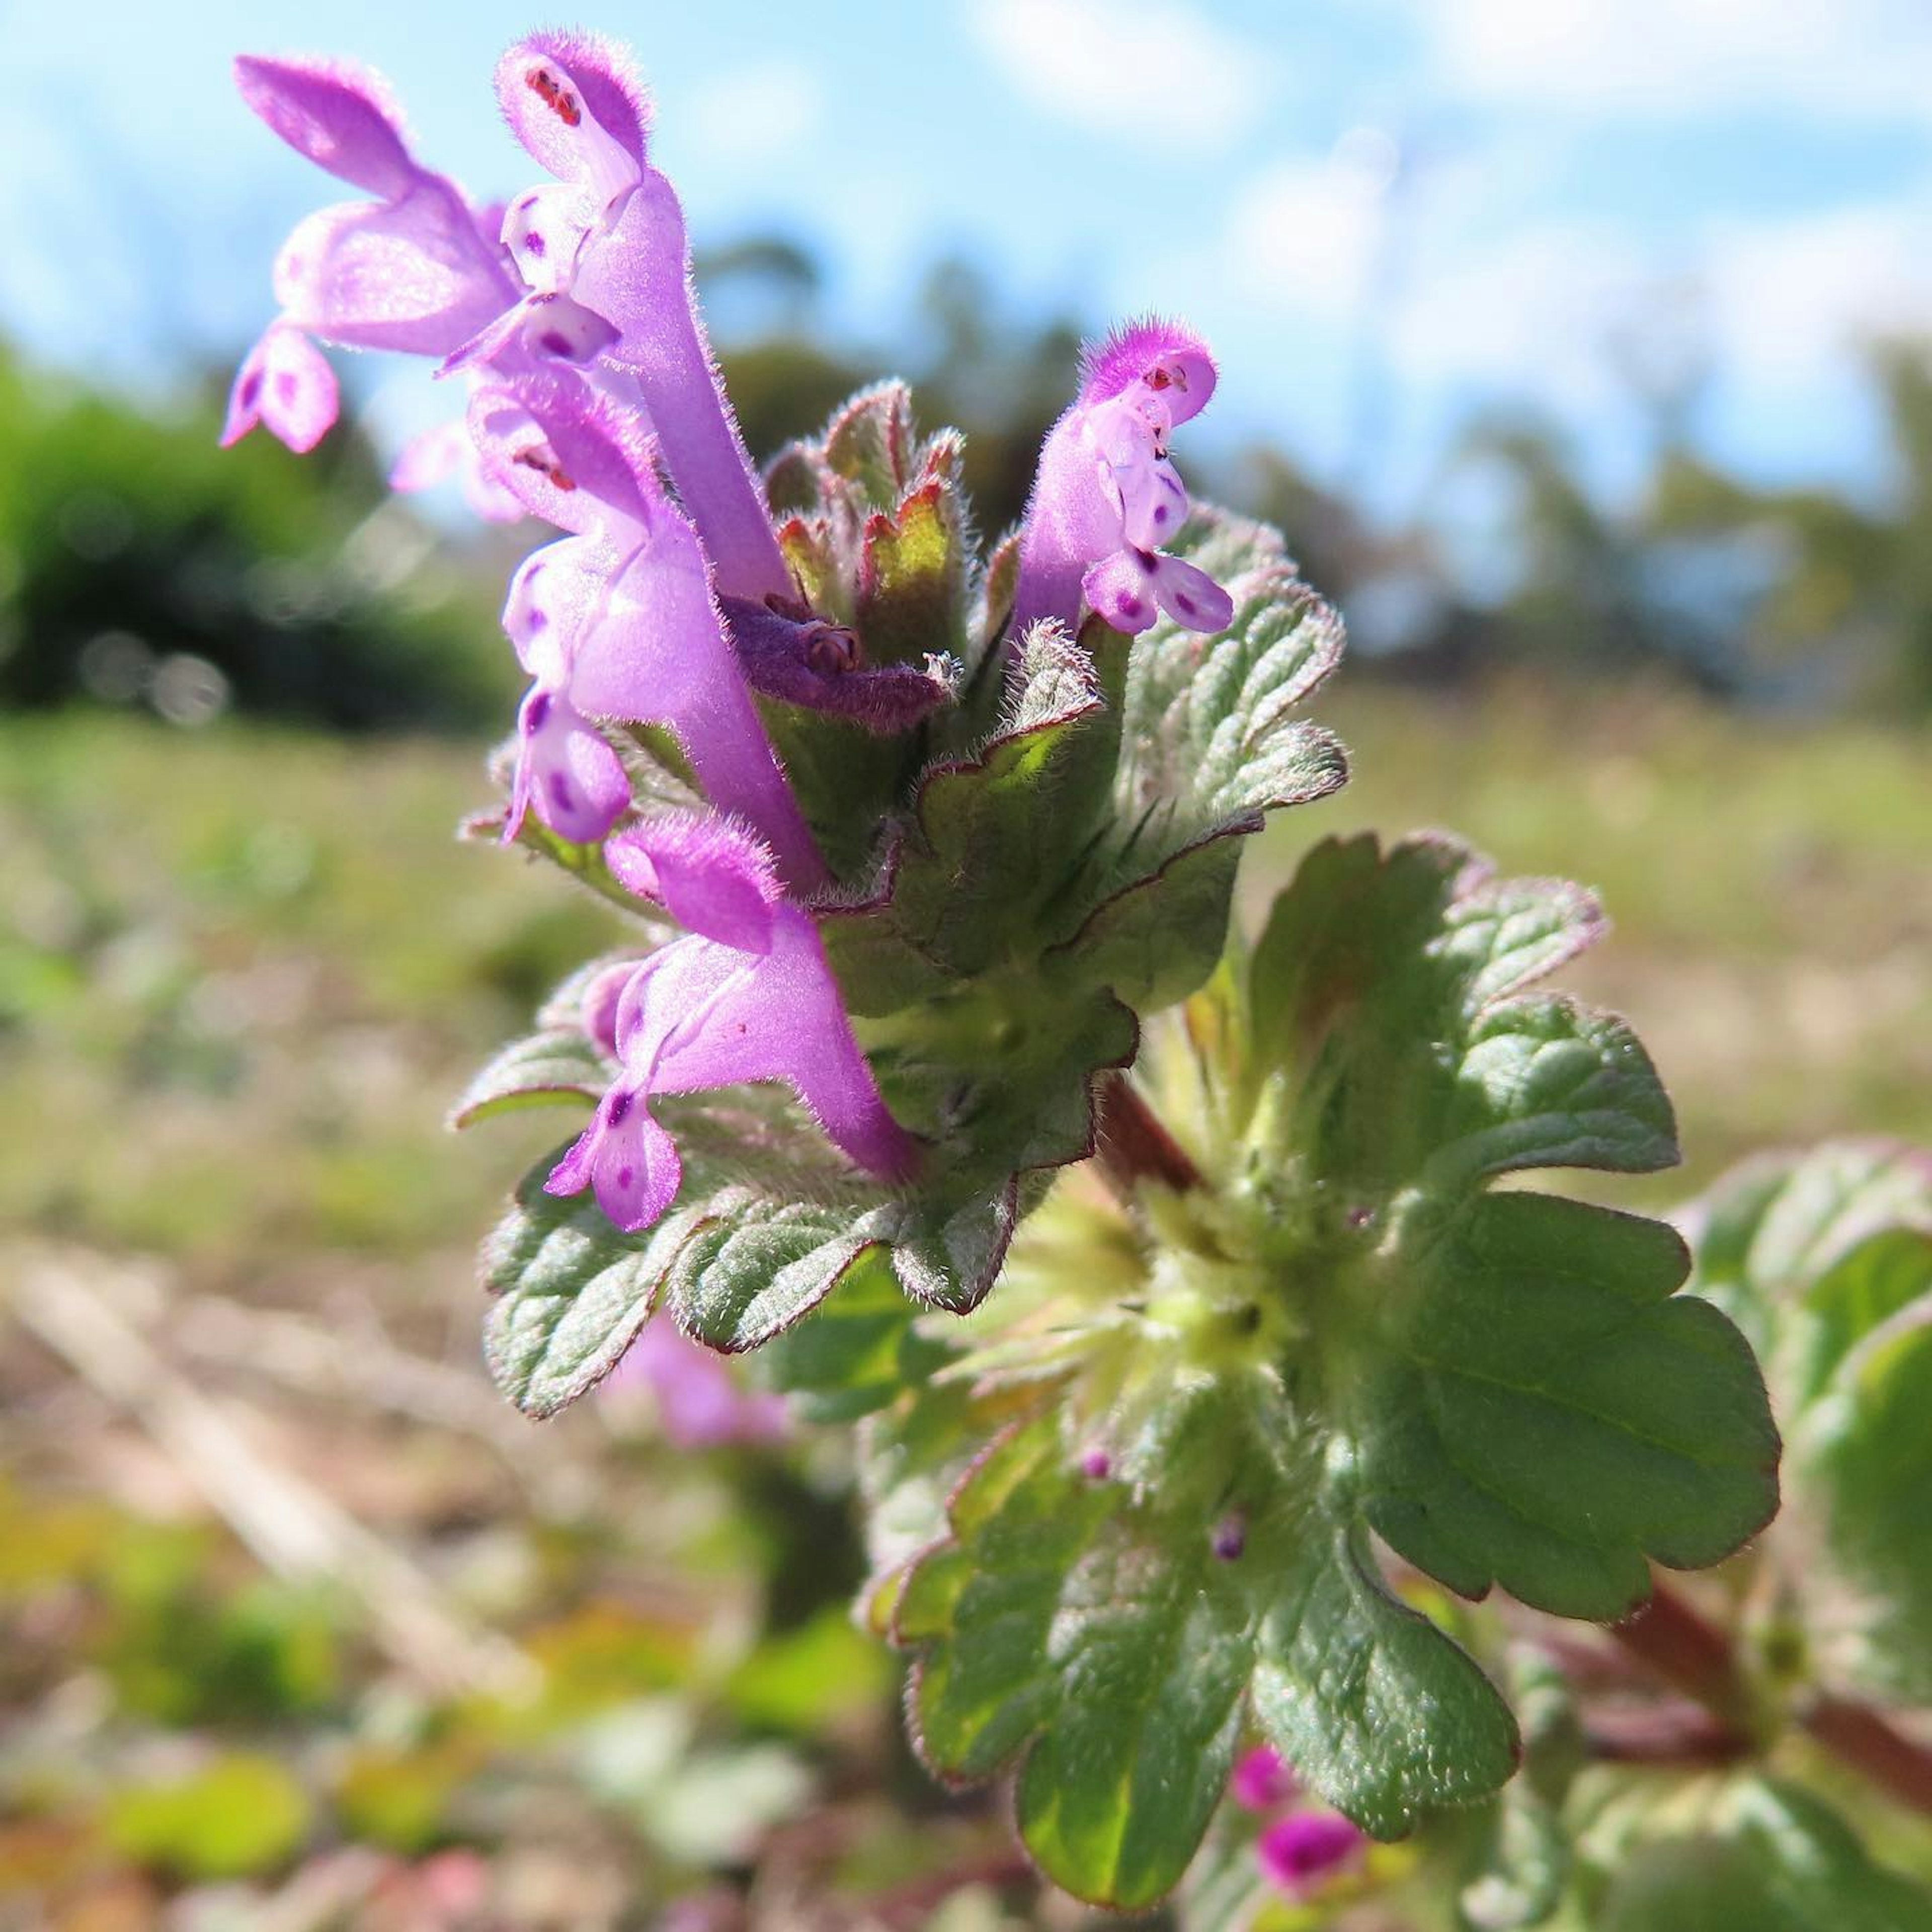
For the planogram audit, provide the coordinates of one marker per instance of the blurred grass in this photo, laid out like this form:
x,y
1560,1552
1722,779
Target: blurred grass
x,y
243,971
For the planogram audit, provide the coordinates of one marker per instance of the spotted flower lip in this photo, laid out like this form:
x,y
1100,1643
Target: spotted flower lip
x,y
746,995
286,383
1106,497
417,268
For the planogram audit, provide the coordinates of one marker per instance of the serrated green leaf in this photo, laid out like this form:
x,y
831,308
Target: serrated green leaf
x,y
1388,1004
910,601
751,1266
1047,1626
1206,722
870,441
1154,941
857,1353
1203,744
736,1262
1368,1701
572,1292
982,854
1775,1859
1541,1411
559,1066
1105,1643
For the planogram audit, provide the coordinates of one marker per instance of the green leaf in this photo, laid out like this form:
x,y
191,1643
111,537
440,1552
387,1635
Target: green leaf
x,y
1541,1411
1210,742
1045,1625
871,441
961,885
912,572
1369,1701
751,1266
1341,1332
855,1355
1826,1258
736,1260
572,1292
1105,1644
1389,990
1776,1859
559,1066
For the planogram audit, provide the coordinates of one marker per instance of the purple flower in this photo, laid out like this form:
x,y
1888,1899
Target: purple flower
x,y
1106,497
618,620
1260,1781
1301,1852
415,269
608,236
747,995
446,451
700,1401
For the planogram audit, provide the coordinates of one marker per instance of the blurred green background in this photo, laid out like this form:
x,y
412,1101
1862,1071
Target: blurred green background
x,y
299,1627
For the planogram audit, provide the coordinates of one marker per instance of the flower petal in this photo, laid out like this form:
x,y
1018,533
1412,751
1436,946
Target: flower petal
x,y
1167,356
412,274
340,116
554,598
1261,1780
543,229
713,877
1120,588
1300,1852
628,1161
567,454
573,102
1190,596
700,1402
286,382
566,770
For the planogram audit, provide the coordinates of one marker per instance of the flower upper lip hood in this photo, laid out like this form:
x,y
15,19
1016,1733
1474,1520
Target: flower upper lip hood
x,y
609,234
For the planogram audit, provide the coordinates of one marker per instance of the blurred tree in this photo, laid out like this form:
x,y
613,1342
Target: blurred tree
x,y
139,561
1846,615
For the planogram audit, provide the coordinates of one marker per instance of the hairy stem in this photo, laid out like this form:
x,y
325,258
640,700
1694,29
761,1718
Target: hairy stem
x,y
1686,1648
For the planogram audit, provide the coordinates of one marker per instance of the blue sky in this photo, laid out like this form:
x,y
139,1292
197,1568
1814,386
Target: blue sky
x,y
1387,214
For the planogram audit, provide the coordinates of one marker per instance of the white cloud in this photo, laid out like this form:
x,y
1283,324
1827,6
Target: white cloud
x,y
1526,314
1820,57
1788,297
1302,235
1141,71
754,118
1559,312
